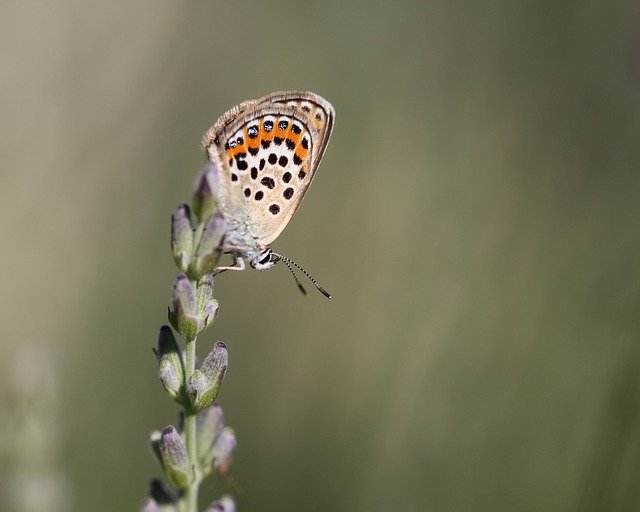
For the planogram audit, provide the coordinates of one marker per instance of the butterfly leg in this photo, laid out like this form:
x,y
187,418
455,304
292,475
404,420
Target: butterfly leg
x,y
238,264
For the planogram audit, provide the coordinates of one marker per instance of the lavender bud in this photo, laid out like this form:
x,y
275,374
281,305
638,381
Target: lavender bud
x,y
182,237
207,306
182,310
196,389
174,457
167,345
209,247
171,368
204,385
171,380
161,498
204,202
154,443
210,424
222,450
150,505
224,504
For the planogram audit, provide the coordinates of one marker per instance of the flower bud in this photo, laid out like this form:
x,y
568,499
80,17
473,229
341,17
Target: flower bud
x,y
154,443
196,388
161,498
150,505
174,457
210,424
162,493
170,380
167,345
207,253
182,310
222,450
182,237
224,504
204,202
207,306
204,385
171,367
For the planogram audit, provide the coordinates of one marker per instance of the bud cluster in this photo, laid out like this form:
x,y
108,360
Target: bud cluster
x,y
216,443
196,241
192,308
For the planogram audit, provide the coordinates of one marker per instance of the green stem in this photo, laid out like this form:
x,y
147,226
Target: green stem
x,y
191,493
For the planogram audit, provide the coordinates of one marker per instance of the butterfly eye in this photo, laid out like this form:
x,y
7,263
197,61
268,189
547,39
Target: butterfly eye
x,y
266,257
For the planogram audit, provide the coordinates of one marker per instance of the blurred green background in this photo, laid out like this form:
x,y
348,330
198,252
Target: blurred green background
x,y
476,217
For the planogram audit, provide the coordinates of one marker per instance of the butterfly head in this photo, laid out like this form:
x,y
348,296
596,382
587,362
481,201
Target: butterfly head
x,y
265,260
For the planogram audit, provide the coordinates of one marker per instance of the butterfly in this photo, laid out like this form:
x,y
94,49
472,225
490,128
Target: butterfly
x,y
267,152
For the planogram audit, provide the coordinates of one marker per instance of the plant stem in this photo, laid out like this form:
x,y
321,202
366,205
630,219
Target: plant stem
x,y
190,439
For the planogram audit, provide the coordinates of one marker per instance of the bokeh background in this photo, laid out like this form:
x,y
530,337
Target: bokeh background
x,y
476,217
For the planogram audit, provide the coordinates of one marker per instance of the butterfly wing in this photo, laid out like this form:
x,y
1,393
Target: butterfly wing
x,y
267,152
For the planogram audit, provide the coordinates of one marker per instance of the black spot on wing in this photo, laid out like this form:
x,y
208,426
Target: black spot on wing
x,y
268,182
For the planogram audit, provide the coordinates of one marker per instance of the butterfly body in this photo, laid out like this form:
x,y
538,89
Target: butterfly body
x,y
266,152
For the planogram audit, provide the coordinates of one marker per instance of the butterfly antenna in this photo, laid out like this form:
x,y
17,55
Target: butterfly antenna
x,y
288,262
237,488
300,287
228,479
